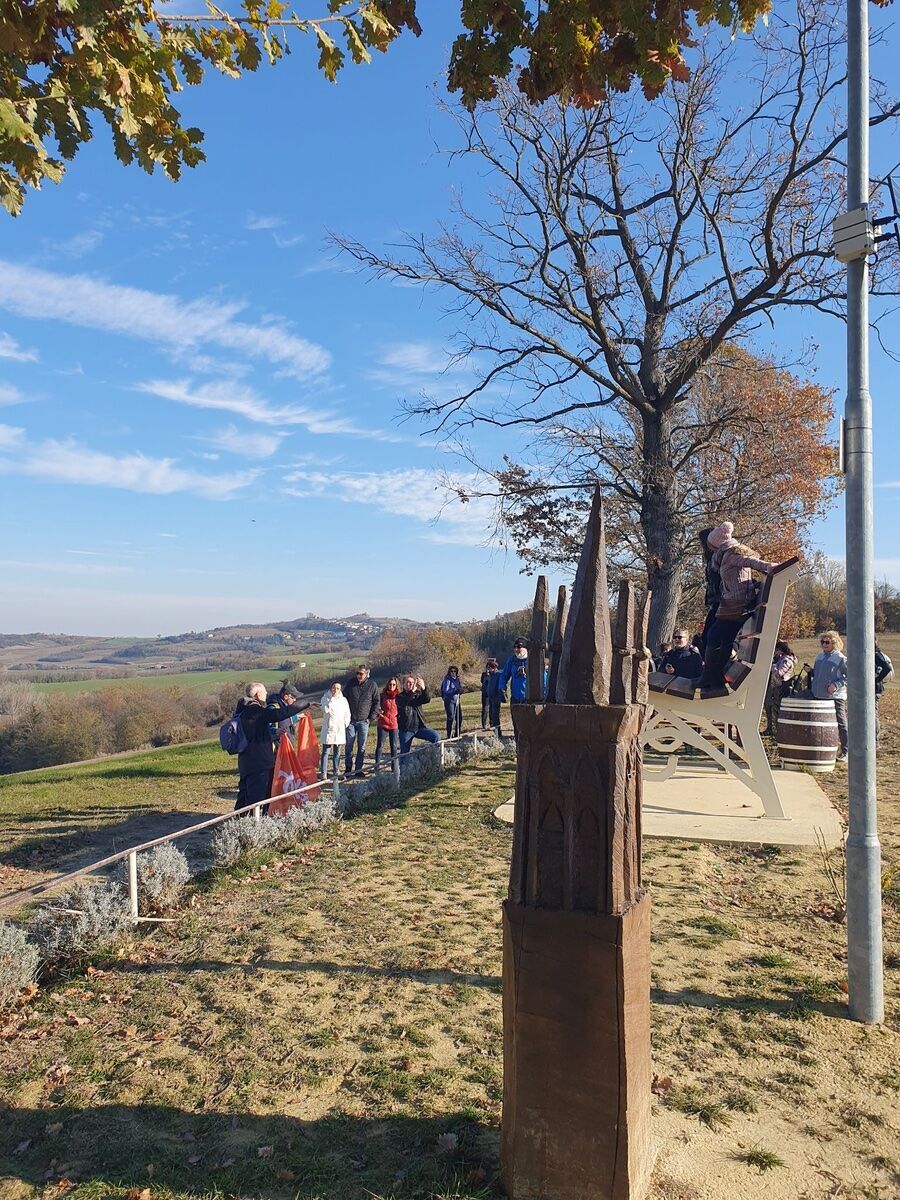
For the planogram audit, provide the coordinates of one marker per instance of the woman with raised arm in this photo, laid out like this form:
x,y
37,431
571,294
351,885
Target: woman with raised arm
x,y
735,564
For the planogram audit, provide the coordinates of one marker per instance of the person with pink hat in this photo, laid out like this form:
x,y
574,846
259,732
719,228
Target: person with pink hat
x,y
735,565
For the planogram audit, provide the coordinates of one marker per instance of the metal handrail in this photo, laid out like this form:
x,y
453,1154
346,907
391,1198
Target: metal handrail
x,y
131,854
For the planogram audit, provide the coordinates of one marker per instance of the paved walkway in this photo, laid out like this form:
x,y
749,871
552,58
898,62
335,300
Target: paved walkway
x,y
703,804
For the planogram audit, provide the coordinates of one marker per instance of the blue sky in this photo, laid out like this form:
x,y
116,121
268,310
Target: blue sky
x,y
201,406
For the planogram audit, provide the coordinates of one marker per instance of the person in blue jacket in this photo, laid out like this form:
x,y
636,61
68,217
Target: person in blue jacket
x,y
451,689
515,674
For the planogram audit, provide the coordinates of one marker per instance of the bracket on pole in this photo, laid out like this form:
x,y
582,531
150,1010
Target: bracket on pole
x,y
854,235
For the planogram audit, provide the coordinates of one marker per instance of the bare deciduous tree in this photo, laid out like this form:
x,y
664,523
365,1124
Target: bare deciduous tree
x,y
629,244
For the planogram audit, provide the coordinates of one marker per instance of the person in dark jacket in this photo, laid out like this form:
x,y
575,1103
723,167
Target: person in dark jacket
x,y
490,696
362,695
485,707
256,766
884,669
451,691
713,587
683,659
410,722
288,725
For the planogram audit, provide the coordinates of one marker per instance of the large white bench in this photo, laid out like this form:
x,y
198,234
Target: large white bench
x,y
680,719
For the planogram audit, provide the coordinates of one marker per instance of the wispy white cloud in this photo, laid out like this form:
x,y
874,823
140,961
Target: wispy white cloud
x,y
232,440
80,245
65,568
10,437
419,358
168,535
243,401
69,462
412,494
415,367
325,266
260,221
158,317
10,394
288,241
10,348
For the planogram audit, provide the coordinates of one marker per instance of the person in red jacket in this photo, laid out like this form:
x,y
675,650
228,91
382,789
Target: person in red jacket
x,y
387,721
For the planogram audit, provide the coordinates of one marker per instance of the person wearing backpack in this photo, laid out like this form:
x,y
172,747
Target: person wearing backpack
x,y
884,670
451,690
256,761
735,565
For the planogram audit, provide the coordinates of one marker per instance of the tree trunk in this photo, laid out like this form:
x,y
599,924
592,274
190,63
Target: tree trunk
x,y
663,528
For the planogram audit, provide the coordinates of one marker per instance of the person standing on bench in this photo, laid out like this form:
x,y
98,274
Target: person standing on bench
x,y
735,565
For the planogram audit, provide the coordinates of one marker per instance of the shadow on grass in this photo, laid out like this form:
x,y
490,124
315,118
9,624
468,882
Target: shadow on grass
x,y
73,842
796,1004
229,1154
492,982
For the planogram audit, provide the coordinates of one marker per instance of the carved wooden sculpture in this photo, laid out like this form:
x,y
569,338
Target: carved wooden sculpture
x,y
576,924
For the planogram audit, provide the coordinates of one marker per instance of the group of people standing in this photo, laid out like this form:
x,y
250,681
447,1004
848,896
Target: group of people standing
x,y
349,709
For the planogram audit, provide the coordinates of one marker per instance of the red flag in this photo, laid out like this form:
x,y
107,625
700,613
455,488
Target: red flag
x,y
287,777
308,754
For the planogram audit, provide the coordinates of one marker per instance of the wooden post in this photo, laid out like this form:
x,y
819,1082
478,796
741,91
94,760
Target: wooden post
x,y
556,641
537,642
576,922
133,885
586,659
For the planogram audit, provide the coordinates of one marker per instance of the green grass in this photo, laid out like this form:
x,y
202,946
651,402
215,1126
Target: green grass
x,y
339,1037
206,681
694,1102
763,1160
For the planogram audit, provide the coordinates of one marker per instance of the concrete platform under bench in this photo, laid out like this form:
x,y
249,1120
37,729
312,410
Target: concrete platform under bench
x,y
703,804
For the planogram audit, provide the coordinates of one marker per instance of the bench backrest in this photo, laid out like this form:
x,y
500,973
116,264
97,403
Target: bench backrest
x,y
750,670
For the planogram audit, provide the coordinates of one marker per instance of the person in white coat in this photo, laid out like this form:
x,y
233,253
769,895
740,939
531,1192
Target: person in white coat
x,y
335,723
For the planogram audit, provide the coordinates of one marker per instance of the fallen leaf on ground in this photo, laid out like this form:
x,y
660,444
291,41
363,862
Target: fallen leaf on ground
x,y
286,1174
661,1087
264,1151
22,1146
447,1142
53,1129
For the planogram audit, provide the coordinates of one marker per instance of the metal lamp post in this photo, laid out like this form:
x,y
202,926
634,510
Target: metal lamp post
x,y
854,241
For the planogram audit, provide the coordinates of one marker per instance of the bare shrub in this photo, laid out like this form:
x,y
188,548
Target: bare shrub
x,y
18,963
17,698
75,924
163,873
243,836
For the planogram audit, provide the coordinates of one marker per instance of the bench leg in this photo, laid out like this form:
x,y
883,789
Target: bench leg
x,y
758,762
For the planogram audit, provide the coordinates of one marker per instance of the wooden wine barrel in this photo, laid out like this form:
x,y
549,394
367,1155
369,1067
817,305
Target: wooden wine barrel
x,y
807,734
